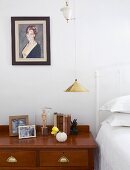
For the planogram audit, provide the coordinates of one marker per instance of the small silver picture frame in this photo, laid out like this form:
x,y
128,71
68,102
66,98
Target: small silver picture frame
x,y
28,131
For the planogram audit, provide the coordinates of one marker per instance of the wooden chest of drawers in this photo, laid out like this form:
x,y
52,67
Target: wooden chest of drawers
x,y
45,153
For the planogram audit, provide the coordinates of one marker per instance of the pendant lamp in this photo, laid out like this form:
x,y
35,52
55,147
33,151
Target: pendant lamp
x,y
67,12
76,86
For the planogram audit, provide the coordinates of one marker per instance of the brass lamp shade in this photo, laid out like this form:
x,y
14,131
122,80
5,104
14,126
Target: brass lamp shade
x,y
76,87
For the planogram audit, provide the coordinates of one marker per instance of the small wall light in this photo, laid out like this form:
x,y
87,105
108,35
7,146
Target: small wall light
x,y
67,12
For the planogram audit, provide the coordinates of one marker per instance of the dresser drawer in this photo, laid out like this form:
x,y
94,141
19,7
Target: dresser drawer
x,y
72,157
65,168
17,158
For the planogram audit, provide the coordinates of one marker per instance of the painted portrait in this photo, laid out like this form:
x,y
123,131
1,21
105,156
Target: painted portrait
x,y
30,40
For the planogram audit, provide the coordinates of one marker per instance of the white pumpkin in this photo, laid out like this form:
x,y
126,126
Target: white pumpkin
x,y
61,136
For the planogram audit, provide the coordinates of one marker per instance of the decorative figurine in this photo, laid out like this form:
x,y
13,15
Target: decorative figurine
x,y
44,119
44,123
73,129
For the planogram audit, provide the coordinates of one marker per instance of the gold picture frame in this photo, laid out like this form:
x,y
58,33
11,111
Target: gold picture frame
x,y
15,122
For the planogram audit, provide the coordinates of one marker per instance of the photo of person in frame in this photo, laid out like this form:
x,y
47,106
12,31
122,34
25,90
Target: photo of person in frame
x,y
24,132
30,38
16,123
32,49
27,131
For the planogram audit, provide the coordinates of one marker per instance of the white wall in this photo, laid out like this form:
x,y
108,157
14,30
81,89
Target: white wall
x,y
102,39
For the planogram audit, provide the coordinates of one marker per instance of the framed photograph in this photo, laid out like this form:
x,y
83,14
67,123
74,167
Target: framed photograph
x,y
30,40
28,131
15,121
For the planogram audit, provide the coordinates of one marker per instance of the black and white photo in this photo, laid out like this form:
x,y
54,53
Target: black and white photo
x,y
15,121
27,131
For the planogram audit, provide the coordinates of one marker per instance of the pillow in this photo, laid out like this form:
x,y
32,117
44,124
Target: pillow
x,y
118,119
119,104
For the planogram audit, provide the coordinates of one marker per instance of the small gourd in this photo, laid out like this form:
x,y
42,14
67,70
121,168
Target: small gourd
x,y
61,136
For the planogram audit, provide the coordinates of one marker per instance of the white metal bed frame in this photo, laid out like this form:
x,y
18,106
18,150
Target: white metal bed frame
x,y
111,82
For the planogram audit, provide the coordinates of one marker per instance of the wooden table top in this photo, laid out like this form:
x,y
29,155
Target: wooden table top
x,y
84,139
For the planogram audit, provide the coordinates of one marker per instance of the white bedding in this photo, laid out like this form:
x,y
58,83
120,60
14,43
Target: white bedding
x,y
114,147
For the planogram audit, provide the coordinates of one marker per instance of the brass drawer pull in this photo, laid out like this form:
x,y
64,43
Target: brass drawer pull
x,y
63,159
11,159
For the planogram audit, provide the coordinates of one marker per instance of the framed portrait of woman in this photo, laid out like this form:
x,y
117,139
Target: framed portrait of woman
x,y
30,40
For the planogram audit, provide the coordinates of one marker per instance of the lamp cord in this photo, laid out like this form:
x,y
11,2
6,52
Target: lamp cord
x,y
75,42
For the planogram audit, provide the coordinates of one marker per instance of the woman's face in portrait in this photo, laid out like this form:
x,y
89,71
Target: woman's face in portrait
x,y
30,35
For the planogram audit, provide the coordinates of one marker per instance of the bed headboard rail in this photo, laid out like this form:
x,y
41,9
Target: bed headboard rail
x,y
111,82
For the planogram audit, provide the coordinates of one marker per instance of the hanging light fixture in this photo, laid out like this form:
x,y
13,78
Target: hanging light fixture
x,y
67,12
76,86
